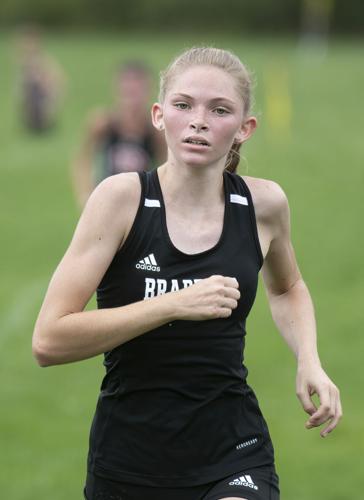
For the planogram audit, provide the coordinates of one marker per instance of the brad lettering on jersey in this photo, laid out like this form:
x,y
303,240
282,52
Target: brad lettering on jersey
x,y
159,286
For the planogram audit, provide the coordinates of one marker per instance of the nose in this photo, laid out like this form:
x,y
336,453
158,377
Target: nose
x,y
198,122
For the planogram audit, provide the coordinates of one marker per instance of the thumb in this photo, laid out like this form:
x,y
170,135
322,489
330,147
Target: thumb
x,y
306,402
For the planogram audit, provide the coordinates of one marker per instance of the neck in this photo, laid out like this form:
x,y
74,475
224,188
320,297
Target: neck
x,y
191,186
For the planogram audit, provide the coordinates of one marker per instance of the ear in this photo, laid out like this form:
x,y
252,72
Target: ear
x,y
246,130
157,116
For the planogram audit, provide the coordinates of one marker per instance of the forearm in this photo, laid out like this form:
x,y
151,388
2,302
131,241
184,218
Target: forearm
x,y
294,316
85,334
62,337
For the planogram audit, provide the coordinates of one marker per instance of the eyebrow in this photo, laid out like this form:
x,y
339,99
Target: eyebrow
x,y
213,101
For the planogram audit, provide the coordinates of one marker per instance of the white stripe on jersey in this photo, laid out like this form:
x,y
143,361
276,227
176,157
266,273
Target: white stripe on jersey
x,y
151,203
236,198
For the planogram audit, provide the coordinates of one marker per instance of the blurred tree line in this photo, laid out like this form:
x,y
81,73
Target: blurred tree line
x,y
346,16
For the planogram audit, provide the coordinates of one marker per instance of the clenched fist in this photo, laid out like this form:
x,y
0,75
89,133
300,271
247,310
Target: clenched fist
x,y
210,298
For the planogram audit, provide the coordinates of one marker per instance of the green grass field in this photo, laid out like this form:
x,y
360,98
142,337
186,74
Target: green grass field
x,y
316,154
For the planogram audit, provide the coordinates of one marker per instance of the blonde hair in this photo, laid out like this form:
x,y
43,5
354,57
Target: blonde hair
x,y
223,59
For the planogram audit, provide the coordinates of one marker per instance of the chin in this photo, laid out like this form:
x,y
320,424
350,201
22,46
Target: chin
x,y
196,162
204,163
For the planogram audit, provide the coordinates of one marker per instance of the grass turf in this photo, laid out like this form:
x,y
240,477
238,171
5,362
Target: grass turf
x,y
317,157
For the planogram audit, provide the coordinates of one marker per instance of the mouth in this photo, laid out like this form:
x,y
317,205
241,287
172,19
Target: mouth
x,y
197,141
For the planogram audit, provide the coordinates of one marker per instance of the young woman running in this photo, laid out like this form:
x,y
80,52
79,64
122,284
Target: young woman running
x,y
174,255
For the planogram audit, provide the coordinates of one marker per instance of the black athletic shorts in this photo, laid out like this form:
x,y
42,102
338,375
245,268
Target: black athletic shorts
x,y
260,483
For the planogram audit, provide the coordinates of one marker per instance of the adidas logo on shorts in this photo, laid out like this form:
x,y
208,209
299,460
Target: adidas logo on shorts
x,y
244,481
148,264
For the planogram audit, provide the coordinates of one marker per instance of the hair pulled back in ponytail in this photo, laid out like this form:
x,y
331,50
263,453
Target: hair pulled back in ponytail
x,y
223,59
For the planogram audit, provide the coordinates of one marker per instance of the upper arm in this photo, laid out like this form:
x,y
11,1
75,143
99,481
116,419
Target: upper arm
x,y
102,228
280,270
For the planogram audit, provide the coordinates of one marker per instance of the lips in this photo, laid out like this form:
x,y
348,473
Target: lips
x,y
197,141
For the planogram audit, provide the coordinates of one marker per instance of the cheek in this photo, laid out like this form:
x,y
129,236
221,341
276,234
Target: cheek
x,y
173,121
227,130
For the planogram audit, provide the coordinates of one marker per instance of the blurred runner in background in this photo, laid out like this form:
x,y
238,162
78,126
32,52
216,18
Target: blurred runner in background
x,y
41,82
121,139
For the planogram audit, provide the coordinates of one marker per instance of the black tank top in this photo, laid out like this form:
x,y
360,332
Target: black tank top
x,y
120,153
175,408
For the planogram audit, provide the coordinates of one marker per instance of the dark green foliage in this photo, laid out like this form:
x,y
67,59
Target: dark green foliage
x,y
229,16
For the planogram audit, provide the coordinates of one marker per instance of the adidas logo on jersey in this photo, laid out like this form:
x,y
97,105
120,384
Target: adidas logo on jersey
x,y
244,481
148,264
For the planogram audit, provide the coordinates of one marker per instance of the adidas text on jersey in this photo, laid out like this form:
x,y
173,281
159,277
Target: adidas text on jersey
x,y
148,264
244,481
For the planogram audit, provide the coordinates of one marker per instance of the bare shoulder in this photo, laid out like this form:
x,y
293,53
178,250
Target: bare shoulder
x,y
121,191
113,205
270,201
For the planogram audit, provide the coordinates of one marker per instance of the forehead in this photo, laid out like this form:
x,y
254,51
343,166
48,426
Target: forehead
x,y
207,81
